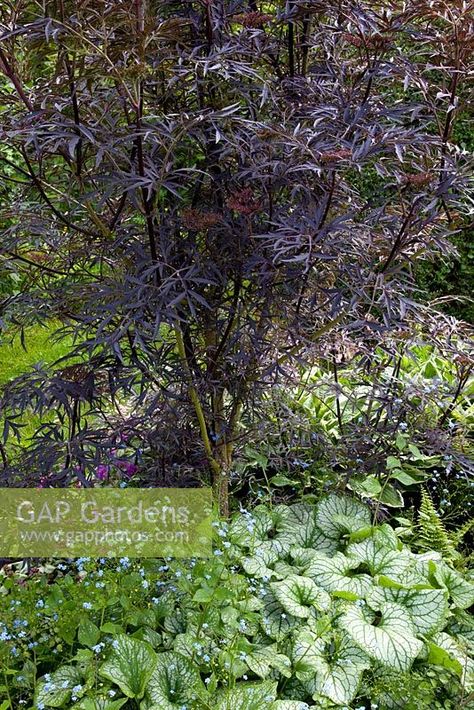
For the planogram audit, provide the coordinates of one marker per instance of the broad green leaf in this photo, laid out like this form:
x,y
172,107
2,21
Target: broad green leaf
x,y
391,496
284,569
256,567
145,633
342,678
458,653
400,442
374,555
388,583
101,702
276,622
56,691
299,529
361,534
336,515
280,547
335,669
250,529
403,477
428,608
417,455
369,486
302,556
247,696
393,462
262,660
264,556
174,682
281,481
390,639
460,590
385,535
439,656
334,574
187,644
141,617
111,628
462,627
430,369
308,654
175,623
298,595
88,633
130,665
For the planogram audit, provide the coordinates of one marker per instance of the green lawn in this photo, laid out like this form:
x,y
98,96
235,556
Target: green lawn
x,y
40,347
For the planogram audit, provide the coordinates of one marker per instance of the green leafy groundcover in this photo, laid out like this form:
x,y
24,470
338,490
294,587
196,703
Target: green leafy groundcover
x,y
301,606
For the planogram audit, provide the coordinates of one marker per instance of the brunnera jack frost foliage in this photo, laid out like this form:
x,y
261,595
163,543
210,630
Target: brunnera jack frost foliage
x,y
300,607
185,189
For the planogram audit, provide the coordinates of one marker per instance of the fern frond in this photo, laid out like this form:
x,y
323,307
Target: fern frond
x,y
459,535
432,535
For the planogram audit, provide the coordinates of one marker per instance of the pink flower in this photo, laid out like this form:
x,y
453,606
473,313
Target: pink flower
x,y
128,468
101,472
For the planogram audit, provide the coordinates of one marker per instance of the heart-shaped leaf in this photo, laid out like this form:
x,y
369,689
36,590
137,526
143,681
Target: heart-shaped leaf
x,y
389,639
262,660
276,622
308,655
130,665
342,677
175,682
101,703
298,595
299,528
334,668
88,634
247,696
379,559
335,574
337,515
428,608
56,690
460,590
